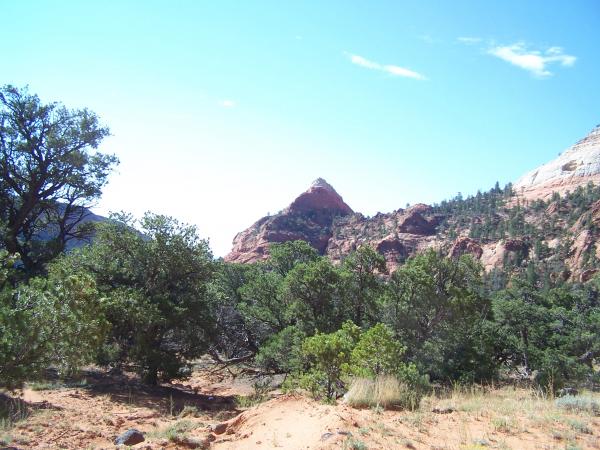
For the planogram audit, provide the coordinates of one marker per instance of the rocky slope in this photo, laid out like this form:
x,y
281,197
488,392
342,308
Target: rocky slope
x,y
502,227
576,166
310,218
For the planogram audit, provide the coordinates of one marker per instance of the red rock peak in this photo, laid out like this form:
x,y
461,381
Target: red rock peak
x,y
320,196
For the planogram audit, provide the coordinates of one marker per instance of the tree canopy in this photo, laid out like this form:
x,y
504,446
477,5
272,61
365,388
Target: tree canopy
x,y
50,172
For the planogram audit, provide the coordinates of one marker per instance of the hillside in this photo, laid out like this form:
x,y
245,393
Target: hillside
x,y
549,218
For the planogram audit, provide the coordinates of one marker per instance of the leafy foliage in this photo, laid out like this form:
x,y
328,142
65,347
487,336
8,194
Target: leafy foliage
x,y
328,357
552,335
49,173
282,352
434,305
150,294
155,282
332,360
361,269
54,321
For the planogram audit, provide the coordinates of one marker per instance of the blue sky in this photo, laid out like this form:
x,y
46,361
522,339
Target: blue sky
x,y
224,111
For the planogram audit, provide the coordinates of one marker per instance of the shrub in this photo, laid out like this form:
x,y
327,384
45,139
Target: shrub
x,y
327,355
354,444
154,284
55,321
377,352
579,404
334,359
260,394
189,411
281,353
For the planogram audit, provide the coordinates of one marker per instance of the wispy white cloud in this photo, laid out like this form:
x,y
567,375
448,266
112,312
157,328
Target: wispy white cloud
x,y
534,61
227,103
393,70
469,40
428,39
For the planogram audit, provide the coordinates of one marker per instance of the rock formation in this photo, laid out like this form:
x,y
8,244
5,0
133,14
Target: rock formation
x,y
576,166
322,218
309,217
465,246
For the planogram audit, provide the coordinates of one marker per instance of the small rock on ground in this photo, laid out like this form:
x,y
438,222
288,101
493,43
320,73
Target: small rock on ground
x,y
130,437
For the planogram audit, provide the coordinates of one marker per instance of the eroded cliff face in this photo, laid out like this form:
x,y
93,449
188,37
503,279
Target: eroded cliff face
x,y
309,217
396,235
322,218
576,166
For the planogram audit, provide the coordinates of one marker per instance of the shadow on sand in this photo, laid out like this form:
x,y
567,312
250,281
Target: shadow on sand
x,y
164,399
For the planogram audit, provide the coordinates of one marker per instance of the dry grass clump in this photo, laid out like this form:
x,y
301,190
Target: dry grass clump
x,y
384,391
176,431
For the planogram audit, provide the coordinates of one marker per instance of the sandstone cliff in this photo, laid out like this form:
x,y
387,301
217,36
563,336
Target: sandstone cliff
x,y
501,228
309,217
576,166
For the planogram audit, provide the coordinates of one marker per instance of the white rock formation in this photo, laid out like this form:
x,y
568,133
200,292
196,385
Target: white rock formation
x,y
321,183
576,166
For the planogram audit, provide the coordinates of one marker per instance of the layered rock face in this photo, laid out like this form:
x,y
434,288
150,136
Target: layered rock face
x,y
322,218
310,218
576,166
396,235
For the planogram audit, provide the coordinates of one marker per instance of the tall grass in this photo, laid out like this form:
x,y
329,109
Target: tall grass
x,y
12,410
384,391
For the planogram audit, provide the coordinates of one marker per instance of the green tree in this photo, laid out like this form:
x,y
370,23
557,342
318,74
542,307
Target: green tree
x,y
55,321
328,356
312,291
235,336
285,256
282,353
362,283
50,172
377,353
156,282
552,335
435,306
266,303
262,306
332,360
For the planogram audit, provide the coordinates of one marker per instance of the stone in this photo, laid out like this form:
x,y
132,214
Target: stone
x,y
130,437
447,410
567,391
320,217
326,436
220,428
587,275
190,442
464,246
